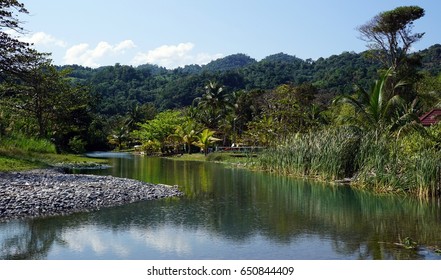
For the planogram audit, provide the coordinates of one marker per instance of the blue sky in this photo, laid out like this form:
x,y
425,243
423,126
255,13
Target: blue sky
x,y
174,33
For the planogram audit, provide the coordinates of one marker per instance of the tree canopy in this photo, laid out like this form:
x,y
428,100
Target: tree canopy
x,y
14,54
390,35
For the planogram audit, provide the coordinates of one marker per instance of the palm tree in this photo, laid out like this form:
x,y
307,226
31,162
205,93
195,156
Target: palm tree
x,y
213,105
119,136
205,139
186,134
381,109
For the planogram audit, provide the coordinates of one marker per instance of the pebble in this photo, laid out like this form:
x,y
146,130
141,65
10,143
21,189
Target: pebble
x,y
49,192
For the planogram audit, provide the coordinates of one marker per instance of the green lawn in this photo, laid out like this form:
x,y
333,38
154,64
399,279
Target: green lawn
x,y
19,161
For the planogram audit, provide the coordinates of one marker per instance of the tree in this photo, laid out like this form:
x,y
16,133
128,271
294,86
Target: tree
x,y
49,103
389,34
119,136
160,128
380,109
186,134
211,104
289,107
205,139
14,54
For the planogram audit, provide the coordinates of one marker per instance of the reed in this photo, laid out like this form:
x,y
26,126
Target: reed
x,y
386,167
374,161
327,154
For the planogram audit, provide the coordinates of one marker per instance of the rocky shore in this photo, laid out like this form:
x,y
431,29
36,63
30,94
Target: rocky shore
x,y
52,192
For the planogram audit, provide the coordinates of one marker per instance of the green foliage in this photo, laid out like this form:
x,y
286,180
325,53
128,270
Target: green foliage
x,y
151,147
389,34
16,164
228,63
377,162
381,109
386,165
217,157
77,145
160,128
260,132
119,136
205,139
47,104
431,59
118,88
26,144
15,55
185,134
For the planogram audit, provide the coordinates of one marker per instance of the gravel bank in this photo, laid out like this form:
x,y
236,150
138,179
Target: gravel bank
x,y
51,192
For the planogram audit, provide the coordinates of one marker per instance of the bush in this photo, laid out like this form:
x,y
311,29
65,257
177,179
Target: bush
x,y
77,145
151,147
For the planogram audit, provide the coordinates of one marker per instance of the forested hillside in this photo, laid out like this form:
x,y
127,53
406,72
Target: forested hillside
x,y
119,88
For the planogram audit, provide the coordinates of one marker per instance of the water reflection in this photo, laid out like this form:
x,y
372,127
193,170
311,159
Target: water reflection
x,y
230,214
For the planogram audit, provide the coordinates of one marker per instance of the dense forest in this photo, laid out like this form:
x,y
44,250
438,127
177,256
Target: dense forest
x,y
120,87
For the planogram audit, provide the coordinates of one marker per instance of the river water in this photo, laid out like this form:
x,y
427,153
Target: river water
x,y
230,213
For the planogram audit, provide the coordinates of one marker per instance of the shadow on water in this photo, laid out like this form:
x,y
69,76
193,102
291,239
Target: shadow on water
x,y
230,214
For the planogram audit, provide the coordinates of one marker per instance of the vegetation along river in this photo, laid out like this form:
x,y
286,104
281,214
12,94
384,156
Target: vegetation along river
x,y
230,213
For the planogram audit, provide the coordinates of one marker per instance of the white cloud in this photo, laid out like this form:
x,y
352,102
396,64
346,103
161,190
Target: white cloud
x,y
82,54
38,39
172,56
41,38
124,45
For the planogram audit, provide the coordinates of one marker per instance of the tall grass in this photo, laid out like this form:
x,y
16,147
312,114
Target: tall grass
x,y
26,144
372,160
327,154
385,166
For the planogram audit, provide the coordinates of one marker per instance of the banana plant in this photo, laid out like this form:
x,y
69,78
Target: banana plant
x,y
205,139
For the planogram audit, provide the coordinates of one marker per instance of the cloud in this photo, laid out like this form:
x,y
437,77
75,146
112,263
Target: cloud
x,y
38,39
82,54
172,56
41,38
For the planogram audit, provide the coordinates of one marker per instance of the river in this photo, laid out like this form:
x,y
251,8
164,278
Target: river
x,y
231,213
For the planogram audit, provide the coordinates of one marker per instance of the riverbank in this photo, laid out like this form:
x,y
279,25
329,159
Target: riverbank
x,y
49,192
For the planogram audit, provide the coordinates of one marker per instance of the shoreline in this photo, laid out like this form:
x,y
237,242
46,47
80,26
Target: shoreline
x,y
50,192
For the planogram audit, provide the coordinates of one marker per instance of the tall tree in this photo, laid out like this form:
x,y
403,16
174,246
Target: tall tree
x,y
46,98
389,34
14,54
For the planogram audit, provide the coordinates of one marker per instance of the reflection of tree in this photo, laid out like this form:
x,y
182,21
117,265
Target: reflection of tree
x,y
237,205
33,241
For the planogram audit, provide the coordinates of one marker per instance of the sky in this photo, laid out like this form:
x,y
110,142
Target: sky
x,y
173,33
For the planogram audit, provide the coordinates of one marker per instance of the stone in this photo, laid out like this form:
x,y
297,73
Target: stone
x,y
51,192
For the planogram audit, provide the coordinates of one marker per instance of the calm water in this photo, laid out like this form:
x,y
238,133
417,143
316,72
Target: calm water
x,y
230,214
